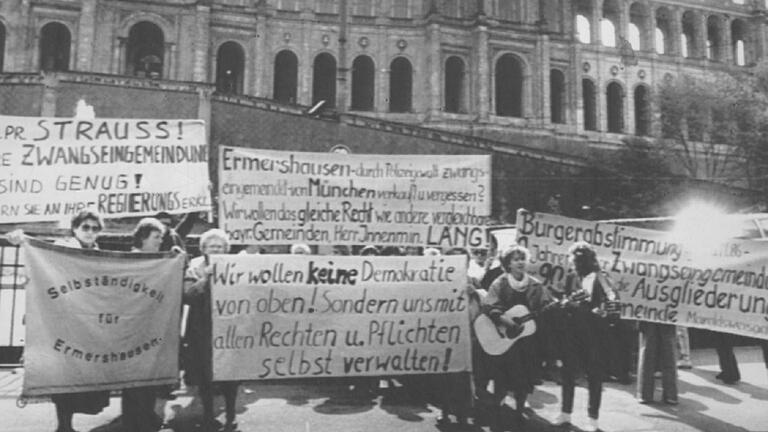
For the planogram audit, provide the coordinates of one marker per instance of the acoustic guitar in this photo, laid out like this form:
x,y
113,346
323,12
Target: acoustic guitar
x,y
496,340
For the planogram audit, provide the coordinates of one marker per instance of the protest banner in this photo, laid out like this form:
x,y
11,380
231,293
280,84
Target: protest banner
x,y
100,320
659,276
300,316
51,168
280,197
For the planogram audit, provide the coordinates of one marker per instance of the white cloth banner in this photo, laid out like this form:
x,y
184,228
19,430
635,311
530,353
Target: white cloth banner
x,y
100,320
51,168
659,277
281,197
278,316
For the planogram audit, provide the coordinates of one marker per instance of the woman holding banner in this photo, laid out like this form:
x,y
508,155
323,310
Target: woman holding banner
x,y
85,228
138,403
516,369
199,370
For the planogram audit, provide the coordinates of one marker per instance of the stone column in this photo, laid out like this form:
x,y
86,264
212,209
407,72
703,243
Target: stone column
x,y
260,62
594,25
85,34
434,60
118,47
725,41
304,92
541,109
622,29
202,43
169,62
675,30
652,32
757,37
575,103
482,73
701,35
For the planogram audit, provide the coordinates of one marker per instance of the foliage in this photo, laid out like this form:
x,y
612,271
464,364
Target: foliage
x,y
633,181
714,127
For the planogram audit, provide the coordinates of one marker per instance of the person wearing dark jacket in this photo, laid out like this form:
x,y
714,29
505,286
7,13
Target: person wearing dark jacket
x,y
585,332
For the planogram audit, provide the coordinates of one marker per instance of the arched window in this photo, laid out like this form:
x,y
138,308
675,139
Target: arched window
x,y
286,77
633,36
615,107
714,50
661,45
589,97
230,65
400,85
324,80
642,111
509,86
363,73
688,36
2,46
663,31
557,96
738,37
145,50
583,10
55,42
608,33
583,29
454,85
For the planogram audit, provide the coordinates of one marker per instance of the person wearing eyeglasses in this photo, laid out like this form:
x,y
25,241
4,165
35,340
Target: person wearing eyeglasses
x,y
85,228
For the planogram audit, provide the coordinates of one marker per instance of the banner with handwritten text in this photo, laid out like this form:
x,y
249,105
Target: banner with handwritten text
x,y
51,168
661,277
280,197
299,316
100,320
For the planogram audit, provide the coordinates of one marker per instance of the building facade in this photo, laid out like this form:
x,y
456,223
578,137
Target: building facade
x,y
503,69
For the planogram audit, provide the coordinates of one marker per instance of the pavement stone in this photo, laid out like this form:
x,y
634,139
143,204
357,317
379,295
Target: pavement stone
x,y
706,405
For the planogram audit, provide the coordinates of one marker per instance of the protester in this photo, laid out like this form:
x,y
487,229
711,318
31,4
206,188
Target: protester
x,y
85,228
492,266
175,233
198,331
138,403
516,369
657,350
729,366
456,389
585,331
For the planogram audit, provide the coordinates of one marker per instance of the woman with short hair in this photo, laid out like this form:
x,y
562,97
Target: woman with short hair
x,y
197,337
138,403
516,369
85,228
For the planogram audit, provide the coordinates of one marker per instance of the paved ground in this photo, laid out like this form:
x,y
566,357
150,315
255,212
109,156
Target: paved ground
x,y
705,406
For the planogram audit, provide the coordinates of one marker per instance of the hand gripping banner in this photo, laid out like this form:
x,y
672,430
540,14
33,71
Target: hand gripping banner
x,y
100,320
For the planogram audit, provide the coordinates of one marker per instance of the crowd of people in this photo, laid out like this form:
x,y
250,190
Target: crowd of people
x,y
579,331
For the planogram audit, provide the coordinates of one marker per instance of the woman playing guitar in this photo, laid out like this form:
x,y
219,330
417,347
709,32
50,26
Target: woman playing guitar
x,y
516,369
